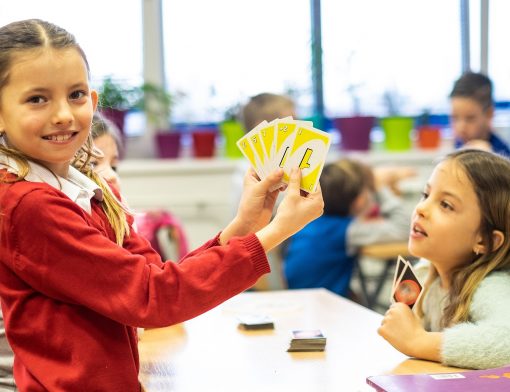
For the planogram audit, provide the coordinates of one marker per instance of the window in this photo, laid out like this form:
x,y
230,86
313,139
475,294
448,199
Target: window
x,y
110,32
219,53
400,52
499,61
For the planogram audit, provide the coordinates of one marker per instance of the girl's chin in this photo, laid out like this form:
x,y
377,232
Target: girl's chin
x,y
415,250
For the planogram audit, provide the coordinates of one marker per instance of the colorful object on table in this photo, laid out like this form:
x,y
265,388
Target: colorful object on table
x,y
493,380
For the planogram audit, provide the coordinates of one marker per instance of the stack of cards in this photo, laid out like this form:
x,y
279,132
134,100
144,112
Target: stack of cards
x,y
406,286
252,322
287,143
307,340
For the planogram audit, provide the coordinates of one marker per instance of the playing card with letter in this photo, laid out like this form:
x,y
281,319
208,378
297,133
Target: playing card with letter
x,y
308,152
251,148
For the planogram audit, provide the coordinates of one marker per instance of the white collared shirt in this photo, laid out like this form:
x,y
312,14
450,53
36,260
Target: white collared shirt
x,y
78,187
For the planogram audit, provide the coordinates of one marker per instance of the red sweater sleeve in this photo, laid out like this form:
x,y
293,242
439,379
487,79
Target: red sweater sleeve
x,y
68,255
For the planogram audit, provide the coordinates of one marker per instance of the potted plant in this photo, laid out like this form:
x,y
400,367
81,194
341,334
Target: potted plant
x,y
115,99
355,130
397,128
232,129
157,103
428,136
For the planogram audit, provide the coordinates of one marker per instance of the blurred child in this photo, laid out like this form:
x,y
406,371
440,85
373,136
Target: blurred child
x,y
323,254
461,227
106,138
266,106
75,278
472,111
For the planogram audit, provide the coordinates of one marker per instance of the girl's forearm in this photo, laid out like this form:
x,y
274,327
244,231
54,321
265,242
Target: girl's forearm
x,y
428,346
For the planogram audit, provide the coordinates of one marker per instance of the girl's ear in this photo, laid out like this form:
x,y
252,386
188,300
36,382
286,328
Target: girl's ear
x,y
497,239
489,113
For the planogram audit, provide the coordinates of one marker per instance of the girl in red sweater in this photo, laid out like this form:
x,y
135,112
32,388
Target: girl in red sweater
x,y
75,279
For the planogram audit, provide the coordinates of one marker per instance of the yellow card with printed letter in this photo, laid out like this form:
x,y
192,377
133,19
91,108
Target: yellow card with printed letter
x,y
267,135
258,148
287,143
285,134
308,153
248,151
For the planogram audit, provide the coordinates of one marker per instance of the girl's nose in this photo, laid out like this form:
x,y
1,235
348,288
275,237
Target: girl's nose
x,y
63,115
421,207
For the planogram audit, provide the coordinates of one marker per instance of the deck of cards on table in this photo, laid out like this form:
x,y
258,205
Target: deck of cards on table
x,y
406,285
252,322
287,143
307,340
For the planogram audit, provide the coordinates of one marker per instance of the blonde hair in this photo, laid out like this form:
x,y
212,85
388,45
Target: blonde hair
x,y
266,106
34,34
489,175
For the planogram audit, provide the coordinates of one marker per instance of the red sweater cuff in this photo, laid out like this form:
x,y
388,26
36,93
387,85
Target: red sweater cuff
x,y
259,257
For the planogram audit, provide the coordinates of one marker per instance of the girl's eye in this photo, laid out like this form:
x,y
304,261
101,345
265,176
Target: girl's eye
x,y
446,205
78,94
114,168
36,99
424,195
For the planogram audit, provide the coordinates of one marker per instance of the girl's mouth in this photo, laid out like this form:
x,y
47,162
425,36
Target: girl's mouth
x,y
60,137
417,229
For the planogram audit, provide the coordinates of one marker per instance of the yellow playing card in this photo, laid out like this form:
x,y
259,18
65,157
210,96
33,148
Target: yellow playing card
x,y
249,152
308,152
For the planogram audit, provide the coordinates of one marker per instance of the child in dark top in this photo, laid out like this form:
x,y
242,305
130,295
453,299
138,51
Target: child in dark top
x,y
323,253
75,279
472,111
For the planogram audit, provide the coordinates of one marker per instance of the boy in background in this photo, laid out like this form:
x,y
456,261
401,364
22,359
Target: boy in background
x,y
472,111
266,106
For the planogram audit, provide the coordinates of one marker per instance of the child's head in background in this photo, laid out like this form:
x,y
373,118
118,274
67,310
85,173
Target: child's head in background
x,y
472,107
106,138
347,188
266,106
462,224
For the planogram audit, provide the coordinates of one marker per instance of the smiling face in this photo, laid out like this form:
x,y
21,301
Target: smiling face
x,y
445,227
46,107
469,119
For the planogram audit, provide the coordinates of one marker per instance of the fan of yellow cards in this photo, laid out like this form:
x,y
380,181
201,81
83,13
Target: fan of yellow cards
x,y
287,143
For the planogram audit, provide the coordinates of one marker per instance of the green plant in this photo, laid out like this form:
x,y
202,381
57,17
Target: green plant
x,y
114,95
156,102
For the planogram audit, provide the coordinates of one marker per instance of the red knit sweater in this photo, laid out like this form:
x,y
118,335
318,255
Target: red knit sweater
x,y
71,297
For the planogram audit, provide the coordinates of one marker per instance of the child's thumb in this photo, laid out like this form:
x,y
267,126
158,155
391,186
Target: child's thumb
x,y
295,179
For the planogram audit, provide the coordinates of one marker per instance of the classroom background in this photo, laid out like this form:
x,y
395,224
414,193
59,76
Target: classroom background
x,y
174,74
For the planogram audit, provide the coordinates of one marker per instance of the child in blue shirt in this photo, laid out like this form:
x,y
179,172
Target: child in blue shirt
x,y
472,111
323,254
